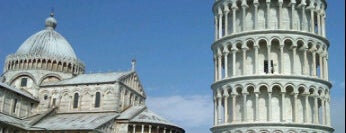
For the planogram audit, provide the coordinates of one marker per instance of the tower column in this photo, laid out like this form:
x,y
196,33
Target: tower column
x,y
319,23
269,59
255,3
280,13
323,29
256,60
315,109
306,105
257,107
304,21
306,64
142,128
234,9
268,14
269,106
323,110
295,110
225,57
328,112
226,18
312,18
321,63
215,110
314,63
150,128
219,61
282,66
244,6
225,96
244,107
219,98
220,22
294,54
234,51
326,65
244,60
283,108
133,128
215,68
216,21
234,96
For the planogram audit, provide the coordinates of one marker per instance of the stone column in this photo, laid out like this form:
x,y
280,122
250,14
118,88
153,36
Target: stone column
x,y
304,21
220,22
323,29
142,128
234,96
306,64
257,107
225,57
280,13
225,96
319,23
323,110
315,110
244,6
269,58
256,59
312,17
283,106
306,104
244,107
215,68
326,66
234,51
321,63
268,14
226,18
294,54
269,106
295,110
164,130
314,63
157,129
219,98
219,66
244,60
150,128
133,128
282,66
216,22
234,9
328,112
215,110
255,4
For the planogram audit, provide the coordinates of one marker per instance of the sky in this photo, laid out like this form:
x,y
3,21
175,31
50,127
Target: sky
x,y
170,40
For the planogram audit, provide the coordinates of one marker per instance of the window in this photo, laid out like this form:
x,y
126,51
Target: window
x,y
45,97
75,100
265,66
14,105
23,82
97,99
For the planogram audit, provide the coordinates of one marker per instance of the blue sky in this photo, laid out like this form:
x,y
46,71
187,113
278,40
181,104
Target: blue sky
x,y
170,40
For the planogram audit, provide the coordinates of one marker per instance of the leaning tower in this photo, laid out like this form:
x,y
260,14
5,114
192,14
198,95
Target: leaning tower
x,y
271,67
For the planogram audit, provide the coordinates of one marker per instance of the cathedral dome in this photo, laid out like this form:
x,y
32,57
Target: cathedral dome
x,y
47,43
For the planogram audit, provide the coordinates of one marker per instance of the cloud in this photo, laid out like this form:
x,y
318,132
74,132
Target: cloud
x,y
194,113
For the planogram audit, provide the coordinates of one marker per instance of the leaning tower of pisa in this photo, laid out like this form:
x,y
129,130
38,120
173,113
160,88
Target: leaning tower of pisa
x,y
271,67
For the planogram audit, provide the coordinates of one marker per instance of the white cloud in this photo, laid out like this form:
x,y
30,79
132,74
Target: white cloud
x,y
193,113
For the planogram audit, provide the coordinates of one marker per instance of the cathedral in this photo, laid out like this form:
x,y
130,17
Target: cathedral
x,y
44,89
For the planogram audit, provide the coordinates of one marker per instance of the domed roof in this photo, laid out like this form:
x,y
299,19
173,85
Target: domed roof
x,y
47,43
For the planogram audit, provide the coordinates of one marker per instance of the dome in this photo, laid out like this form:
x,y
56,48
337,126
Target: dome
x,y
47,43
